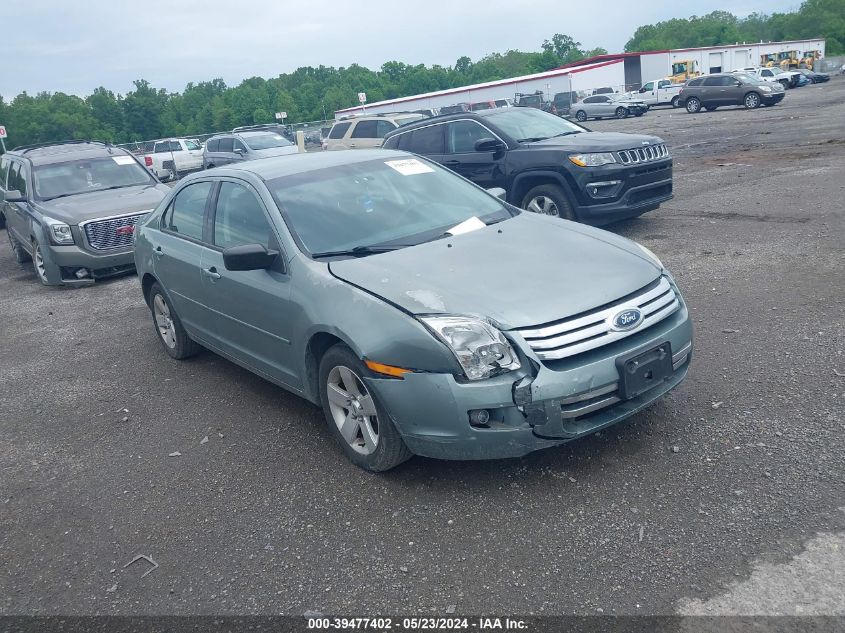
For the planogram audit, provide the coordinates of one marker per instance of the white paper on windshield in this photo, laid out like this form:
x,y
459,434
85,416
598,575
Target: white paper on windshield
x,y
409,167
473,224
123,160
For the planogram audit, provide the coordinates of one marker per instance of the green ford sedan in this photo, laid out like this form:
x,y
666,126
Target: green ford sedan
x,y
423,314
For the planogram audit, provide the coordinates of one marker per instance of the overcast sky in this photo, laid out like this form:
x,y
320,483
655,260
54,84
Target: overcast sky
x,y
75,46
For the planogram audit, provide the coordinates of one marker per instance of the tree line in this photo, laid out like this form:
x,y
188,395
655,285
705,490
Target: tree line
x,y
314,93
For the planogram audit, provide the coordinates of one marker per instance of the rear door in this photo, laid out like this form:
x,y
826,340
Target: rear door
x,y
713,92
177,255
225,151
369,133
428,141
252,308
485,169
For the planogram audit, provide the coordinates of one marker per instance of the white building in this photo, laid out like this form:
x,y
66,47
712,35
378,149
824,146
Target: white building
x,y
619,71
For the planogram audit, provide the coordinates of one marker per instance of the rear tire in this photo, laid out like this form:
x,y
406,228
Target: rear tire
x,y
18,251
751,101
693,105
169,328
581,116
548,199
360,425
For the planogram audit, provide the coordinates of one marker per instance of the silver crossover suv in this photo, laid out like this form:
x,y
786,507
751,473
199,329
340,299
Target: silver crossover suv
x,y
423,314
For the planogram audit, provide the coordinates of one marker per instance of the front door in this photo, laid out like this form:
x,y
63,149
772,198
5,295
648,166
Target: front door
x,y
17,214
486,169
252,308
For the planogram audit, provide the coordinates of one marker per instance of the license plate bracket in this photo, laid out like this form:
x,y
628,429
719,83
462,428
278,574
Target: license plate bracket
x,y
642,371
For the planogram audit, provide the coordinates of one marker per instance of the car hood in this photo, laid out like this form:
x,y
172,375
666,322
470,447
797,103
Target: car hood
x,y
275,151
102,204
525,271
600,141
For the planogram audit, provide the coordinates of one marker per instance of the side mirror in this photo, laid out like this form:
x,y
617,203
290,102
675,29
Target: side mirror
x,y
239,151
248,257
500,193
642,90
13,195
488,145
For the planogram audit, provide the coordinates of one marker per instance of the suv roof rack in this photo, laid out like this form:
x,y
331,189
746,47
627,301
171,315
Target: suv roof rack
x,y
259,126
23,149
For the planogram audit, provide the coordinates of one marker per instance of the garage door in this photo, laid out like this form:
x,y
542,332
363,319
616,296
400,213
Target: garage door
x,y
742,59
715,62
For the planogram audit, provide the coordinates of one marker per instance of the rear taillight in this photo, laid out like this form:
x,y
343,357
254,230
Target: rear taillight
x,y
148,161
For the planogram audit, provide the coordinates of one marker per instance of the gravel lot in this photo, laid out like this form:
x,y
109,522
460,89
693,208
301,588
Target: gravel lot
x,y
739,468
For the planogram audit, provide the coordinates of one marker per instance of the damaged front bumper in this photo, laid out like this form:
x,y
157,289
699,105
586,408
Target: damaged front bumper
x,y
539,406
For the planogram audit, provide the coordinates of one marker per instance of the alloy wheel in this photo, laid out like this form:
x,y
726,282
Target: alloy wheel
x,y
752,101
38,261
543,205
164,321
353,410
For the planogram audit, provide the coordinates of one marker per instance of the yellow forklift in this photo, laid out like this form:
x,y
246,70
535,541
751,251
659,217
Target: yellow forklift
x,y
809,59
768,61
683,70
789,60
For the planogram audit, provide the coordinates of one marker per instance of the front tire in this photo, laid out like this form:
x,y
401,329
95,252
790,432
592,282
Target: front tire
x,y
38,263
357,421
548,199
621,113
169,328
676,102
581,116
693,105
751,101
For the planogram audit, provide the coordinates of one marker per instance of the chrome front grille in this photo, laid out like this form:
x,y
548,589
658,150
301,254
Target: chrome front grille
x,y
568,337
109,233
643,154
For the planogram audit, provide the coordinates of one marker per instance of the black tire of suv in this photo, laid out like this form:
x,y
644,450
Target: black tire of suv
x,y
581,116
391,449
18,251
676,102
693,105
185,346
621,113
558,196
752,100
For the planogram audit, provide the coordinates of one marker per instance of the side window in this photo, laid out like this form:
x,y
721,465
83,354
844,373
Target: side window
x,y
462,136
4,171
238,145
728,81
240,218
339,130
592,100
713,81
211,146
427,140
226,144
664,83
17,178
176,146
649,86
161,148
365,129
768,73
186,212
383,127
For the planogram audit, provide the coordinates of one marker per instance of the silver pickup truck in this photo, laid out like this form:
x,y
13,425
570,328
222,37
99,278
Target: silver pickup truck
x,y
659,92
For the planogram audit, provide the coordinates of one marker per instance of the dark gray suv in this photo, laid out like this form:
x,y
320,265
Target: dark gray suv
x,y
72,208
723,89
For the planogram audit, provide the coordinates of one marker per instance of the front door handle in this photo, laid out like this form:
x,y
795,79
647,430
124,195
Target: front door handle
x,y
158,252
452,163
211,273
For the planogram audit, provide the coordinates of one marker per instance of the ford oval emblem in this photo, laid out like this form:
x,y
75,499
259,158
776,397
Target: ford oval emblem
x,y
627,319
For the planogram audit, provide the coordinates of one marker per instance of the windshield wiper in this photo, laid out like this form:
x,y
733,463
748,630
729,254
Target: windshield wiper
x,y
77,193
567,133
358,251
531,139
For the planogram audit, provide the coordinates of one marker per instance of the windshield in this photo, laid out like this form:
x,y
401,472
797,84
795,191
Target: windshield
x,y
266,141
775,70
530,123
83,176
403,201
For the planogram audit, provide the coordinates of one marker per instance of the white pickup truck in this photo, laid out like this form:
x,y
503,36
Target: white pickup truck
x,y
184,154
659,92
786,78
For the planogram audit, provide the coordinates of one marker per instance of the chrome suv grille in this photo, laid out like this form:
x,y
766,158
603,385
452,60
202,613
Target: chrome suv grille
x,y
568,337
643,154
111,233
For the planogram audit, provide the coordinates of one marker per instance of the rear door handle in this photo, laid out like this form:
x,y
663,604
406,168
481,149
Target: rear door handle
x,y
211,273
452,163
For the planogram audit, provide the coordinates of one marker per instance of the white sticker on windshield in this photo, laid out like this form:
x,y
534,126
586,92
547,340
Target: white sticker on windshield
x,y
409,167
123,160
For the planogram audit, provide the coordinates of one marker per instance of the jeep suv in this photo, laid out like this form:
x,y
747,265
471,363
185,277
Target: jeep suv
x,y
722,89
547,164
72,208
366,131
534,100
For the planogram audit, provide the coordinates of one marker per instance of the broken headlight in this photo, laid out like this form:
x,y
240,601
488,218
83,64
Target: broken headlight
x,y
481,349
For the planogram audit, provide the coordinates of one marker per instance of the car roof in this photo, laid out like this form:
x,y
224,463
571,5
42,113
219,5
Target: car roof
x,y
47,154
280,166
442,118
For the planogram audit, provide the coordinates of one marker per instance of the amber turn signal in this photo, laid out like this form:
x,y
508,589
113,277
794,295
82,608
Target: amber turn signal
x,y
387,370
